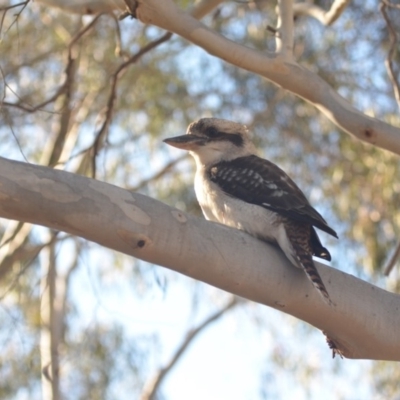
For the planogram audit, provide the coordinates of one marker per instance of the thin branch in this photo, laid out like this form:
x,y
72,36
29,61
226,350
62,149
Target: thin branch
x,y
396,88
392,260
118,37
198,11
102,132
60,91
65,86
6,8
21,255
204,7
64,117
389,4
8,121
83,31
14,239
325,17
17,15
285,36
158,174
151,388
66,109
391,53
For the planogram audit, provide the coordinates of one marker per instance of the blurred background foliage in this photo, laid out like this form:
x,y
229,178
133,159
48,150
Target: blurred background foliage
x,y
59,109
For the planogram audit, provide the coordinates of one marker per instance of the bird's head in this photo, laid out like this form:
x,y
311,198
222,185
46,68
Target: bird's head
x,y
210,140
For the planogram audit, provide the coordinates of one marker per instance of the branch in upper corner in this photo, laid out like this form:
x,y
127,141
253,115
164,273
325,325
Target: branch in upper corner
x,y
199,10
85,6
391,53
289,75
65,86
16,16
325,17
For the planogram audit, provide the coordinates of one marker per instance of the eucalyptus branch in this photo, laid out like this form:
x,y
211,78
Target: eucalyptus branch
x,y
325,17
289,75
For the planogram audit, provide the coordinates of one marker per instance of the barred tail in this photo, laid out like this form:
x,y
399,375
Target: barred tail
x,y
300,238
309,268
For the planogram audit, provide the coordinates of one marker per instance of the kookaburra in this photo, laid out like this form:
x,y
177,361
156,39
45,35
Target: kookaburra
x,y
237,188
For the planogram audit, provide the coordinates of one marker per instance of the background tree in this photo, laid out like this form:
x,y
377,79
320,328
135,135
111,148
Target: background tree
x,y
97,95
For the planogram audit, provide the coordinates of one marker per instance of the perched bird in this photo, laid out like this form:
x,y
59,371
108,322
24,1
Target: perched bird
x,y
237,188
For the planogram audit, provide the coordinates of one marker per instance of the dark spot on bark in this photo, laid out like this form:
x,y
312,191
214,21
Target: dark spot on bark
x,y
141,243
368,133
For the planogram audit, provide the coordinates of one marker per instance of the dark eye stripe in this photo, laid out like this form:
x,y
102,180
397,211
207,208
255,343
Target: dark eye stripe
x,y
236,139
213,134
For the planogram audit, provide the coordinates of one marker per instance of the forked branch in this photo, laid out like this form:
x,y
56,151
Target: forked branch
x,y
287,74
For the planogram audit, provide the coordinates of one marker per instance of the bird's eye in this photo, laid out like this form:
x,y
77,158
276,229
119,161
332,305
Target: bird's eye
x,y
212,132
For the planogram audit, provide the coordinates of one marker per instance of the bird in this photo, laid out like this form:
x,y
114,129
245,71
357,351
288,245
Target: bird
x,y
235,187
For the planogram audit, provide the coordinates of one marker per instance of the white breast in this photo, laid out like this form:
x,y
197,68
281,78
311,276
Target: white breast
x,y
219,207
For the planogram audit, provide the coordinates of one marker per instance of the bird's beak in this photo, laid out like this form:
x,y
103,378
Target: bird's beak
x,y
185,142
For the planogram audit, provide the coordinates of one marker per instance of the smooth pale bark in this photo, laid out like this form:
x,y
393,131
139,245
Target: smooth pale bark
x,y
199,10
86,6
365,321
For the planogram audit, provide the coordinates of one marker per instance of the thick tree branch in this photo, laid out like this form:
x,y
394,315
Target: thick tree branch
x,y
289,75
199,10
365,323
86,6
